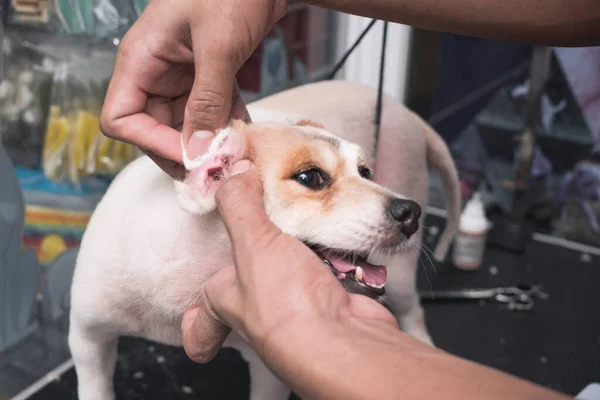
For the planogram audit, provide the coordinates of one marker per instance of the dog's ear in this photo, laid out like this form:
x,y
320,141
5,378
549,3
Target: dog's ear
x,y
208,172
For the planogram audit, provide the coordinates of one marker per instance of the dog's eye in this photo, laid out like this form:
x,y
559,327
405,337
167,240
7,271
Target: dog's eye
x,y
312,178
365,172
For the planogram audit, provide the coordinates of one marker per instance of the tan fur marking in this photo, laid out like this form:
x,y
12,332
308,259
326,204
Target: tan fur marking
x,y
306,122
297,160
282,152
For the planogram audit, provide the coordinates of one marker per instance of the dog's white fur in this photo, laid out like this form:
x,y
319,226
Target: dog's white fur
x,y
145,256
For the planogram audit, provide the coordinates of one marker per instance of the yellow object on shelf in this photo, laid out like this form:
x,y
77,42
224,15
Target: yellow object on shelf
x,y
51,246
85,130
76,148
55,146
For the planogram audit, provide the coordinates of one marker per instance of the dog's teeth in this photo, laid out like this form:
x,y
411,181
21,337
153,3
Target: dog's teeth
x,y
327,262
358,273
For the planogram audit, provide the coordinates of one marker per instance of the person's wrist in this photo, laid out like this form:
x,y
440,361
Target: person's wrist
x,y
291,345
309,353
269,342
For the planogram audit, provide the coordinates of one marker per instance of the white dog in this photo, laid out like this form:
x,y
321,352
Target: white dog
x,y
152,243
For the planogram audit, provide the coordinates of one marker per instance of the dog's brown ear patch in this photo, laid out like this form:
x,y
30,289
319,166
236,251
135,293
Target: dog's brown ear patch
x,y
306,122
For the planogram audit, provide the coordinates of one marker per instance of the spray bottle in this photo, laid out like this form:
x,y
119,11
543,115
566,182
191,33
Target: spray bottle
x,y
470,241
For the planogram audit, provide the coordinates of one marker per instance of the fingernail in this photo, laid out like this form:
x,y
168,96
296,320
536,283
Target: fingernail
x,y
240,167
199,143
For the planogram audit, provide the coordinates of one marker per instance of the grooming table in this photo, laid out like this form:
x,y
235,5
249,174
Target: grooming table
x,y
556,345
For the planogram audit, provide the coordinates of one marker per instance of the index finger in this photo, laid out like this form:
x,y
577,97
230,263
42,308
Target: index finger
x,y
123,118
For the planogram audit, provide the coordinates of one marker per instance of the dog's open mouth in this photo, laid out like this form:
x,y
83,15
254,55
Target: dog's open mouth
x,y
354,272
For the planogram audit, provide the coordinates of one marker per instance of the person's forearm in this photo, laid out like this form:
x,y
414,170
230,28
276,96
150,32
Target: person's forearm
x,y
324,360
548,22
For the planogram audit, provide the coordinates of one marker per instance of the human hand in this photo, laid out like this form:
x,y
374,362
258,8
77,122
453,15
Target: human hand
x,y
321,341
277,281
175,69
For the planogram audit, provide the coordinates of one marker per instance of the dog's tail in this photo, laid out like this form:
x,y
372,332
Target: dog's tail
x,y
438,155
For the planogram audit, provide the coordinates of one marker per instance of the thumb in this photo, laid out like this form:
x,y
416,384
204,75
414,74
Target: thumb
x,y
204,328
203,335
209,104
241,205
238,107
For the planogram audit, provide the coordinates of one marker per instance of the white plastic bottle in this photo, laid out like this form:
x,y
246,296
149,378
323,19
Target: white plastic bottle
x,y
470,241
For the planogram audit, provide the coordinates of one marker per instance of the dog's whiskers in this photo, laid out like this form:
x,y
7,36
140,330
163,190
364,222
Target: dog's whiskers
x,y
428,253
426,275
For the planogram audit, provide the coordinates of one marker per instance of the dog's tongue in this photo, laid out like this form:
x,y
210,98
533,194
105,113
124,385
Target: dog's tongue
x,y
372,274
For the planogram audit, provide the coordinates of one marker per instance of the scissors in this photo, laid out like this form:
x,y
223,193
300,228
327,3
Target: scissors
x,y
517,298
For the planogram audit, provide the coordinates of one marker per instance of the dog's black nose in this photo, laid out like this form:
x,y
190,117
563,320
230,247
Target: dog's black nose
x,y
407,213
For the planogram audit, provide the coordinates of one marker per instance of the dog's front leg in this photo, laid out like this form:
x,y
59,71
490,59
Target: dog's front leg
x,y
413,322
402,295
94,357
406,307
264,385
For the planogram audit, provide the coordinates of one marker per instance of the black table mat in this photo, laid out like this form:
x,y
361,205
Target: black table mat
x,y
556,345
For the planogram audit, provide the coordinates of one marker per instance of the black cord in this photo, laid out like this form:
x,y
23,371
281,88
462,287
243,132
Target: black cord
x,y
379,104
341,63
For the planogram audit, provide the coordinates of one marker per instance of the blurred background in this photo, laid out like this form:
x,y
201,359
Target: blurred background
x,y
56,61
